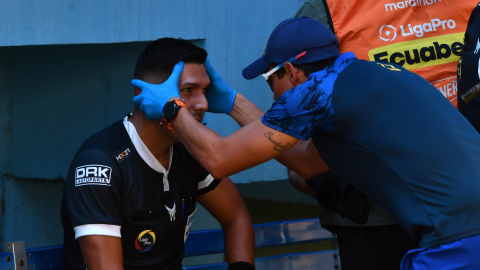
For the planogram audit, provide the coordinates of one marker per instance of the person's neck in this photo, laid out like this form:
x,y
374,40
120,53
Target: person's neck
x,y
154,138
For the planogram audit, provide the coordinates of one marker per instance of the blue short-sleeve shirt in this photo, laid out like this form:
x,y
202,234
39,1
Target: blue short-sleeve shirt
x,y
394,137
308,108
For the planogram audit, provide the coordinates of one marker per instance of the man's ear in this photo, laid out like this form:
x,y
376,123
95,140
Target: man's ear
x,y
290,71
295,75
138,91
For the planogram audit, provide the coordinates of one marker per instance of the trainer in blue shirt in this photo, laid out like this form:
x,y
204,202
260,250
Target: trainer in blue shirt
x,y
415,154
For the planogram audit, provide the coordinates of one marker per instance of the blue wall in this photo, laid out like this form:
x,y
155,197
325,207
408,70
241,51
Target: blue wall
x,y
65,68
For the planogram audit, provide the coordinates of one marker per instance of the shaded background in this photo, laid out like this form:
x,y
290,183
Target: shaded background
x,y
65,71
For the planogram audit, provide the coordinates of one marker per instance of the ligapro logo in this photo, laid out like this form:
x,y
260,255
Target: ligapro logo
x,y
389,33
145,241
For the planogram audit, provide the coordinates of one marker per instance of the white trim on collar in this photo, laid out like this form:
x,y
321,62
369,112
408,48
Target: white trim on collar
x,y
146,155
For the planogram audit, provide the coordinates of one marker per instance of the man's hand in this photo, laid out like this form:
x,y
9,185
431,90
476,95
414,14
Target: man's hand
x,y
154,96
220,96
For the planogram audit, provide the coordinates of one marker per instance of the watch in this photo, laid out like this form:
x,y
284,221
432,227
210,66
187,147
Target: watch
x,y
170,110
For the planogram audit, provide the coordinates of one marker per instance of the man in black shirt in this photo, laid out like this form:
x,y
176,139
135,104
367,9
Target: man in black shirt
x,y
469,71
131,191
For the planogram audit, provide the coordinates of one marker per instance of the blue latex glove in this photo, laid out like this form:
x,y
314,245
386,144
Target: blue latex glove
x,y
154,96
220,96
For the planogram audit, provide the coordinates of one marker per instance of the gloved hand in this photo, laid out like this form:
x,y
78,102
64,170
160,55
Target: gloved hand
x,y
154,96
220,96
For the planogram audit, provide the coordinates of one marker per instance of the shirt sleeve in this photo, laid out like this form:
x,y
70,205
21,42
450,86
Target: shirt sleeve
x,y
208,184
303,110
93,194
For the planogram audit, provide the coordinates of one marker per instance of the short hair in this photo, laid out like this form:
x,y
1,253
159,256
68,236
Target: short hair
x,y
160,57
308,68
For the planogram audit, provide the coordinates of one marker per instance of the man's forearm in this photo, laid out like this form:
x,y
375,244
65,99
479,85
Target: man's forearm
x,y
244,111
239,241
304,159
249,146
299,158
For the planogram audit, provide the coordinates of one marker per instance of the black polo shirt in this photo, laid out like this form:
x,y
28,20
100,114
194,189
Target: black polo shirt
x,y
112,189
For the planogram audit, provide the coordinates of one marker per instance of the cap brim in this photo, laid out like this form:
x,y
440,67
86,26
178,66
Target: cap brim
x,y
254,69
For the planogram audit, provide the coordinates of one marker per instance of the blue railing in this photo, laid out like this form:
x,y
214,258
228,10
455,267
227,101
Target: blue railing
x,y
205,242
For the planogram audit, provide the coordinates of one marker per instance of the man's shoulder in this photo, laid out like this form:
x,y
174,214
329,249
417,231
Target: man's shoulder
x,y
186,161
108,140
184,156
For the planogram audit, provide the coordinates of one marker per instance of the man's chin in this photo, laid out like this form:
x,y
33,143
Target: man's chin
x,y
172,134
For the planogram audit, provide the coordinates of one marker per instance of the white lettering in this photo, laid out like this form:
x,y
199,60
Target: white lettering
x,y
391,6
403,32
418,30
145,241
451,24
102,172
409,3
93,174
91,171
432,26
435,24
80,172
427,27
442,90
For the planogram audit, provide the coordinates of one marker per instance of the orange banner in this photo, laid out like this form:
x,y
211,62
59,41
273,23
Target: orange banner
x,y
423,36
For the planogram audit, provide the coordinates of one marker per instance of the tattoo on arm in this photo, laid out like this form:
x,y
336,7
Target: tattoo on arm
x,y
277,145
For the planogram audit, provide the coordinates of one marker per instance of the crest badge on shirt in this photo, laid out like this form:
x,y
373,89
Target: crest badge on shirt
x,y
171,212
145,241
93,175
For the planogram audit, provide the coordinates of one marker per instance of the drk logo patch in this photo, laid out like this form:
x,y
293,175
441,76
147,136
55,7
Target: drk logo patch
x,y
93,175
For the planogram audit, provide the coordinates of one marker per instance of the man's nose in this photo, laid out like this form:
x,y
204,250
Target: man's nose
x,y
200,102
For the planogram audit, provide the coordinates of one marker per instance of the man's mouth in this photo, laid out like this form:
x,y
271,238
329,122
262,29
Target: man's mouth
x,y
197,117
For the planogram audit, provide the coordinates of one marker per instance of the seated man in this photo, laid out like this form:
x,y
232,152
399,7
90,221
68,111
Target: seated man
x,y
131,191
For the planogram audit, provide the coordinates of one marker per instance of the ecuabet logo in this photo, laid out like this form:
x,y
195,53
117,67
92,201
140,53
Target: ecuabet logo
x,y
388,33
145,241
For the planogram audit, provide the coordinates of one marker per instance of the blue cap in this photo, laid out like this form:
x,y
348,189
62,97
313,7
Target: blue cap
x,y
292,37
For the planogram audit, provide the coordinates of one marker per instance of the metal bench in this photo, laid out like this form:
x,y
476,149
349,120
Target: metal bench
x,y
210,242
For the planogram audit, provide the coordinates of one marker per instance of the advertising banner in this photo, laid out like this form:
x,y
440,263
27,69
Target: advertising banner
x,y
423,36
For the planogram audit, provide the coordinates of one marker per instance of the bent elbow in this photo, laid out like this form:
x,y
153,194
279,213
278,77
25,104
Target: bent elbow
x,y
217,169
309,172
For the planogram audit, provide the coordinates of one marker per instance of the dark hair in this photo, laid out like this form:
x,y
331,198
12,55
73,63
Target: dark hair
x,y
308,68
160,57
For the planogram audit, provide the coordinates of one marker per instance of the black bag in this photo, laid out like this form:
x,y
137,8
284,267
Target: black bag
x,y
468,70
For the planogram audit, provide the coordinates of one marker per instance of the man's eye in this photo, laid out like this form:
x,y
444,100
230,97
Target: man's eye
x,y
186,89
269,81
